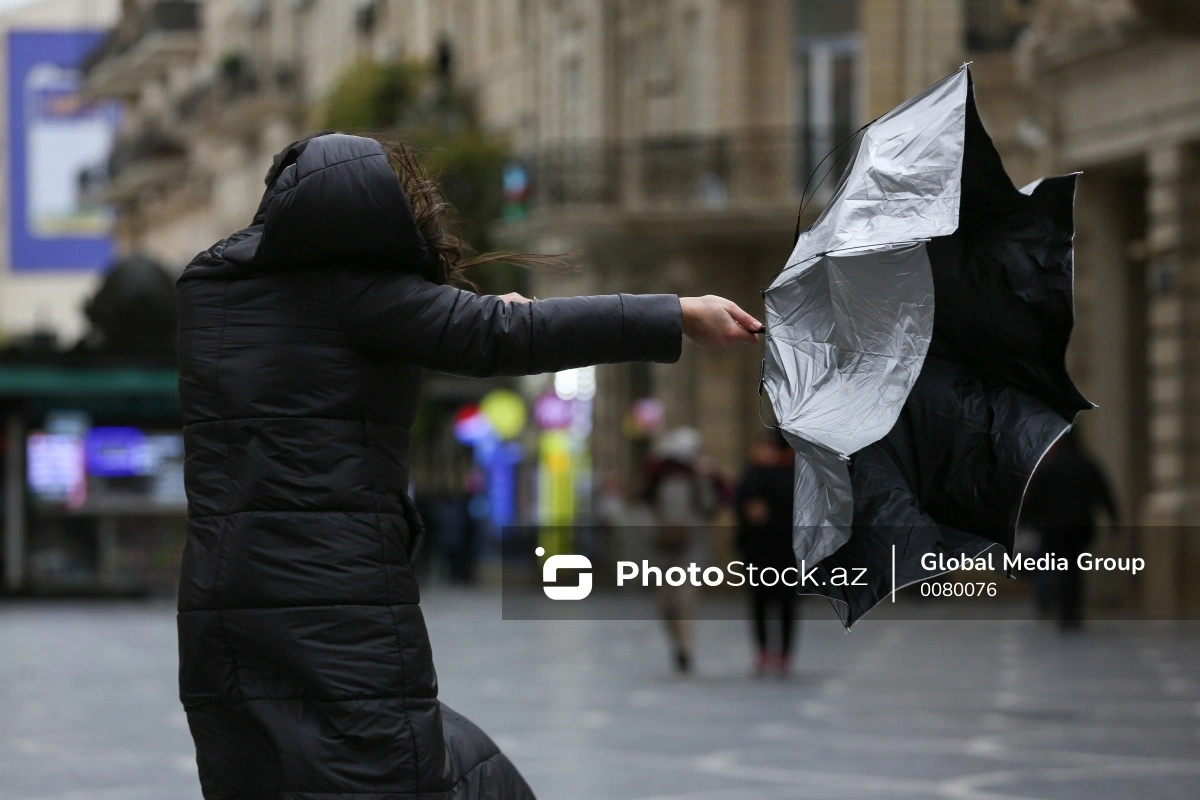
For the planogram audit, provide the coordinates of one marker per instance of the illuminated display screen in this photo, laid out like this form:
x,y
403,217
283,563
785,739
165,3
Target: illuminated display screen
x,y
105,463
55,467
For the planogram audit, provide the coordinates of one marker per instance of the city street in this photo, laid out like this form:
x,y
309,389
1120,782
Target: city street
x,y
626,303
588,710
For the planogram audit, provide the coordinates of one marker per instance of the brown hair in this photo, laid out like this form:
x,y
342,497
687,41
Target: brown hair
x,y
435,220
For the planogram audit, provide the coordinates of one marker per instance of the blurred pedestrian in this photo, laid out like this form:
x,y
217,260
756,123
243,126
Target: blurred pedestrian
x,y
611,512
453,534
683,494
764,513
305,666
1065,494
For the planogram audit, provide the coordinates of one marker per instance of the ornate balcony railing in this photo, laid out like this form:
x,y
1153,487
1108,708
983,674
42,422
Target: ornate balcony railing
x,y
242,93
712,172
145,41
144,160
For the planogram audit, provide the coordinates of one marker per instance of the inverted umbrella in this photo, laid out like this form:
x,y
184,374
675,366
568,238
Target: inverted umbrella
x,y
916,348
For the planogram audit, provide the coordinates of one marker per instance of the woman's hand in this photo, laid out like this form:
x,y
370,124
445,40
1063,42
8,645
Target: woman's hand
x,y
716,323
515,297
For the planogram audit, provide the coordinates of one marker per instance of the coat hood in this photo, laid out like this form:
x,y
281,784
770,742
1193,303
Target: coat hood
x,y
332,198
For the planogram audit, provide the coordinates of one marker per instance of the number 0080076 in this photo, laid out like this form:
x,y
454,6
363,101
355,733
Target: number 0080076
x,y
958,589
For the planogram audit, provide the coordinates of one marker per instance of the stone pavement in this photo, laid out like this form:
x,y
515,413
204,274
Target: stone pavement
x,y
900,710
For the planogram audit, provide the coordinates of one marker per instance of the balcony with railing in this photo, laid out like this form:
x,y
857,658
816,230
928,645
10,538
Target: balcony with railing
x,y
149,38
1065,34
141,164
993,26
244,92
761,171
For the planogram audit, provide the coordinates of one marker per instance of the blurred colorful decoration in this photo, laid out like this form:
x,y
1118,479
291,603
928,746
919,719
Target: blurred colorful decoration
x,y
581,419
494,487
554,540
516,192
55,468
116,452
645,418
470,425
502,484
556,479
551,412
505,410
55,142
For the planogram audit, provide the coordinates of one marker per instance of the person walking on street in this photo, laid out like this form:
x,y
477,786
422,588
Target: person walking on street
x,y
1064,496
305,667
764,538
683,496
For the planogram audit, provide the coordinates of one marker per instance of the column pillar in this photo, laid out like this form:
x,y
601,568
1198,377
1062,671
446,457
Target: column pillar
x,y
1174,386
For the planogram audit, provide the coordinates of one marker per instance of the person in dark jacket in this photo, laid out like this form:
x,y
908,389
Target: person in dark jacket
x,y
305,666
1064,495
764,514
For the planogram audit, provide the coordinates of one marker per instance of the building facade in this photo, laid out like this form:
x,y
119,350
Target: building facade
x,y
672,144
1114,86
668,143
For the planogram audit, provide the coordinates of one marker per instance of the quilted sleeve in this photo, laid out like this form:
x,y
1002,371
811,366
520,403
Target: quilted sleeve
x,y
397,314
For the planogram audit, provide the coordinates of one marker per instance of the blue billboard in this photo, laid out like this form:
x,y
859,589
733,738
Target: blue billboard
x,y
53,138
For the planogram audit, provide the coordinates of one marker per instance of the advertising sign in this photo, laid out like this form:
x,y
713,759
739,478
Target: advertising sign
x,y
53,139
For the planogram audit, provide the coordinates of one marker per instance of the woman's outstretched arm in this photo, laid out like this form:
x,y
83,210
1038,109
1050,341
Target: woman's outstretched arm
x,y
401,315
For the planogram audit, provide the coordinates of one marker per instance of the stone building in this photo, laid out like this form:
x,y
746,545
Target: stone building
x,y
1114,85
668,142
210,91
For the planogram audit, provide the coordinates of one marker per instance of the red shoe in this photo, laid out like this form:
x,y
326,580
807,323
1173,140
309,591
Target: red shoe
x,y
763,663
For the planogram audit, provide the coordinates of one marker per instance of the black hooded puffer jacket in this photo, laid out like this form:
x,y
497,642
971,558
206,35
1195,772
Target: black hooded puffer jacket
x,y
305,667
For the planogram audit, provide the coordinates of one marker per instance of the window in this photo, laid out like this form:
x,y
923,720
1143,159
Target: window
x,y
827,69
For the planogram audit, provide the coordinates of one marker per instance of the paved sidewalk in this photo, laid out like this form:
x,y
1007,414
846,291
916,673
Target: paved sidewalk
x,y
588,710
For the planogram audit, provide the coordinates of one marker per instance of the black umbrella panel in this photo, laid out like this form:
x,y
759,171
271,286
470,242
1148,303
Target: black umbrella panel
x,y
916,350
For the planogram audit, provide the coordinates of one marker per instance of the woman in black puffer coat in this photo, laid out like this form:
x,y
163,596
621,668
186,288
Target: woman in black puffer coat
x,y
305,666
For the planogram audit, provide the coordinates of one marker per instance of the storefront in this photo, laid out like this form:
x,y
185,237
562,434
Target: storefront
x,y
93,499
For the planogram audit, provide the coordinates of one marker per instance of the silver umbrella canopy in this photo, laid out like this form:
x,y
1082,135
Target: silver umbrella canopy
x,y
916,347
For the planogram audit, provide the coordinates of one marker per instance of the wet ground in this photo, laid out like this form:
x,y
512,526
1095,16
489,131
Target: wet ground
x,y
967,710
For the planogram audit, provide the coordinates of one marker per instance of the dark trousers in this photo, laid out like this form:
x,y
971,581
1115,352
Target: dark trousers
x,y
1067,587
1070,597
761,600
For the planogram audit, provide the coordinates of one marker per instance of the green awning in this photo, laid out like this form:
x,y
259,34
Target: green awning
x,y
29,381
